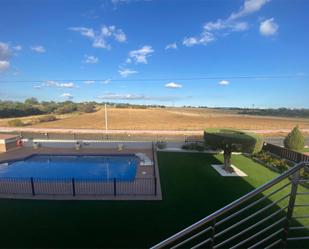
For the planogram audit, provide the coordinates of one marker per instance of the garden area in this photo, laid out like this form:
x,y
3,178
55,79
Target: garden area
x,y
191,190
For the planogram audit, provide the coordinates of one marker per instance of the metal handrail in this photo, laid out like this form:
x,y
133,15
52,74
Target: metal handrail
x,y
185,232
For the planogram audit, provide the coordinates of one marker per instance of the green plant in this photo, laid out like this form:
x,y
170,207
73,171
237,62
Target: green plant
x,y
282,165
278,163
193,146
16,123
161,145
87,108
295,140
232,141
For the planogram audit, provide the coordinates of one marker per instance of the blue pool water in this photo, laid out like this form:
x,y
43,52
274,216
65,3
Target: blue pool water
x,y
122,167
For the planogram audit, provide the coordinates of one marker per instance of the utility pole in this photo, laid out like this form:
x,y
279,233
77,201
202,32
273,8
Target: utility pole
x,y
106,122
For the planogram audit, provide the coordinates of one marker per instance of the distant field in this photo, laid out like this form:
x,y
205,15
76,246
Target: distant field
x,y
168,119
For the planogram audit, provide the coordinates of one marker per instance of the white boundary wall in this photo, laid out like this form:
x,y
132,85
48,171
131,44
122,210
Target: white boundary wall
x,y
96,144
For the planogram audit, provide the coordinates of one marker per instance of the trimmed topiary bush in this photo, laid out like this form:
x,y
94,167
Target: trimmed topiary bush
x,y
295,140
232,141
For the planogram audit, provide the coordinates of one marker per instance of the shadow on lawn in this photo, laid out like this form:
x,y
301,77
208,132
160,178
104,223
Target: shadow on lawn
x,y
220,191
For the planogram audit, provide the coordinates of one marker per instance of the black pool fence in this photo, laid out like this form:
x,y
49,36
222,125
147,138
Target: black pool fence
x,y
77,187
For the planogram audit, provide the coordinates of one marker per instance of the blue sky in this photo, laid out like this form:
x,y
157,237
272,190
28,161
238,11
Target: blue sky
x,y
171,52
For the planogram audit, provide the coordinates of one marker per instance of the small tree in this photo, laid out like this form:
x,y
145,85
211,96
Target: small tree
x,y
31,101
232,141
295,140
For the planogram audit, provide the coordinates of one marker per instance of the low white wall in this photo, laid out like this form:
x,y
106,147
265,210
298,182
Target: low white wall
x,y
97,144
89,144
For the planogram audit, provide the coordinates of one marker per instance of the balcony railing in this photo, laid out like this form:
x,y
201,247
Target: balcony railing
x,y
267,217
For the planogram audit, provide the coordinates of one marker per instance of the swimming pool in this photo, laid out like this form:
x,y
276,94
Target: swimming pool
x,y
104,167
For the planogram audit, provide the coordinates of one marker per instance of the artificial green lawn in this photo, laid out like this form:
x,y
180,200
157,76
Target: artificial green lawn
x,y
191,191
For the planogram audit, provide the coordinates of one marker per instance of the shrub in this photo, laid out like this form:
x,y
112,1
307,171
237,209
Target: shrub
x,y
278,163
67,108
295,140
31,101
88,108
16,123
194,146
282,165
47,118
161,145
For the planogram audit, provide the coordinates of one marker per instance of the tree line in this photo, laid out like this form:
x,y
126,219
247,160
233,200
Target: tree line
x,y
31,106
280,112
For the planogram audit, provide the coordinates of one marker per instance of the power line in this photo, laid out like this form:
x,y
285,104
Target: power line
x,y
163,79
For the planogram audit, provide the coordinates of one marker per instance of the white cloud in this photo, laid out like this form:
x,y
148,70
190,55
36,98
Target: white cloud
x,y
140,55
190,41
4,65
5,55
5,52
67,85
107,81
203,39
120,1
222,27
171,46
84,31
38,49
18,47
224,82
173,85
122,96
249,7
269,27
66,96
120,36
89,82
56,84
100,38
125,72
90,59
130,96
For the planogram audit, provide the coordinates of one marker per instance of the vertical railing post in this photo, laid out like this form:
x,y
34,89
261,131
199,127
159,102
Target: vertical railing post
x,y
155,185
289,215
153,147
73,186
115,187
213,233
32,186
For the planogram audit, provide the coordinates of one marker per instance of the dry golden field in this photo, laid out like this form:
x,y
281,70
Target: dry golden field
x,y
167,119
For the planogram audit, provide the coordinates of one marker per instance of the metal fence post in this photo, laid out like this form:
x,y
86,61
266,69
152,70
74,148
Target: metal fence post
x,y
115,189
213,233
289,215
32,186
155,185
73,186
